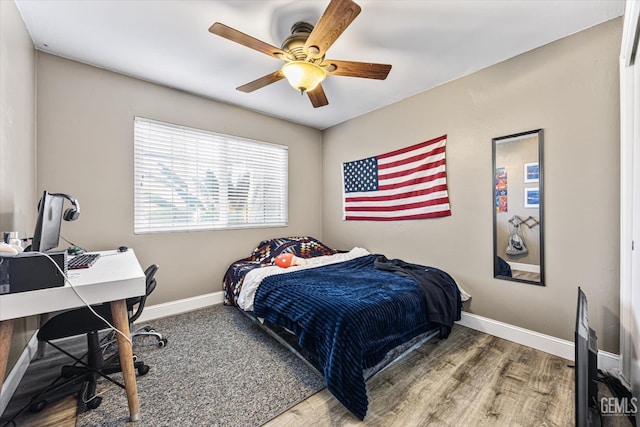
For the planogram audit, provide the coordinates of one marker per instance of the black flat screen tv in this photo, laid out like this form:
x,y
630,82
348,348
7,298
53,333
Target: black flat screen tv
x,y
47,233
586,367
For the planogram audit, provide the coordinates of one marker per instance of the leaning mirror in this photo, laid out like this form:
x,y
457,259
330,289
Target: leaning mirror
x,y
518,245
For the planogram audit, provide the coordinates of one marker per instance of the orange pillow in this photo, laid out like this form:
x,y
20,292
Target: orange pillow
x,y
287,260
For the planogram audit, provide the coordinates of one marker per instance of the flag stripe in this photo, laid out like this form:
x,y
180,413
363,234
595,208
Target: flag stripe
x,y
403,161
413,159
424,179
392,192
419,193
431,212
413,211
396,218
413,147
420,168
392,208
438,198
409,183
437,172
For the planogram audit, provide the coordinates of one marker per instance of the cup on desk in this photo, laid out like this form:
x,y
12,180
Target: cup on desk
x,y
11,238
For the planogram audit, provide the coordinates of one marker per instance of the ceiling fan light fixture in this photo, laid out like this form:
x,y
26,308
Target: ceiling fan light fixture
x,y
303,76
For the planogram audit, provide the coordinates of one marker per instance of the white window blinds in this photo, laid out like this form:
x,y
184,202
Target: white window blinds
x,y
190,179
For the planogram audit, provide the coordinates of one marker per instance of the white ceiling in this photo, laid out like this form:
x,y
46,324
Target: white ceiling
x,y
428,42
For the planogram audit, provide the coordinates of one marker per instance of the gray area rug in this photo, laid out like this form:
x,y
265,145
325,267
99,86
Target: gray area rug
x,y
219,369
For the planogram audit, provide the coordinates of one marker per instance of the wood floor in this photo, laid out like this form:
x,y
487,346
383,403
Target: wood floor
x,y
470,379
526,275
60,414
40,373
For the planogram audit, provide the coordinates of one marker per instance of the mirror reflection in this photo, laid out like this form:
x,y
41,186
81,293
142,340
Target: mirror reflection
x,y
518,200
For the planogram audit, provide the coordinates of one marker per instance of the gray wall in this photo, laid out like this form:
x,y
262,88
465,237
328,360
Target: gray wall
x,y
569,88
85,148
17,141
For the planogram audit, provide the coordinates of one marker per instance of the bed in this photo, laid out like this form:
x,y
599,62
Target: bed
x,y
349,311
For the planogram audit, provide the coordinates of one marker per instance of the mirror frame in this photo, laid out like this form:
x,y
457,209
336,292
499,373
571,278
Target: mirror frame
x,y
494,142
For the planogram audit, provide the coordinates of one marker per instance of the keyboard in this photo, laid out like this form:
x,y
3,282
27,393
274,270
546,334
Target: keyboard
x,y
82,261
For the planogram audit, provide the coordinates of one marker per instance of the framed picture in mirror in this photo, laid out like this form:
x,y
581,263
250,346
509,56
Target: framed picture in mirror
x,y
531,172
532,197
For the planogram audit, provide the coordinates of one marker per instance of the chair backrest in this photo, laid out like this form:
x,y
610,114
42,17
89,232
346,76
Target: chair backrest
x,y
149,274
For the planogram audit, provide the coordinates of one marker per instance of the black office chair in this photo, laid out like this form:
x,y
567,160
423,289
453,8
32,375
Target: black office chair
x,y
82,321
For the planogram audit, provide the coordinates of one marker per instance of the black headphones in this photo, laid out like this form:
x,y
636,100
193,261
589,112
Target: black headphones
x,y
72,213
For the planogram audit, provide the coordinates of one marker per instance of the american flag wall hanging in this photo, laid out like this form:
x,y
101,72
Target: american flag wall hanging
x,y
409,183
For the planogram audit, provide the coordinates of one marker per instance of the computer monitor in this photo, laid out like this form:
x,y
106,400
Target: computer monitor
x,y
586,363
47,233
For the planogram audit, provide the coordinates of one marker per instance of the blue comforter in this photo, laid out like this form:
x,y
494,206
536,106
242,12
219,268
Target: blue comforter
x,y
348,316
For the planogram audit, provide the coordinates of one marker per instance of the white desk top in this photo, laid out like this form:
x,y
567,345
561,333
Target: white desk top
x,y
114,276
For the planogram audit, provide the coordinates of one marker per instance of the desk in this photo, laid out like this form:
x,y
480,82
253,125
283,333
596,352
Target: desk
x,y
115,277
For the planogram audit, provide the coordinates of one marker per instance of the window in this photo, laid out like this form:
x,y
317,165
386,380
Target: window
x,y
190,179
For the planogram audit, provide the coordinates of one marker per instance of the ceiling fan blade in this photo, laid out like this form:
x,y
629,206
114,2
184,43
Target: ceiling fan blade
x,y
335,19
246,40
261,82
358,69
317,97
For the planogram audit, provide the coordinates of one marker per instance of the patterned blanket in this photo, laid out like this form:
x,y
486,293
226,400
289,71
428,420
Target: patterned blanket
x,y
263,255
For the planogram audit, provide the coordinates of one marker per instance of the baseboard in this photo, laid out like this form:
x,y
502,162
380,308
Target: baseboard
x,y
530,268
608,362
180,306
12,380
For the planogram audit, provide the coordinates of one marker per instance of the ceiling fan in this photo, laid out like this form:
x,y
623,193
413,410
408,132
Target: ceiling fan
x,y
304,53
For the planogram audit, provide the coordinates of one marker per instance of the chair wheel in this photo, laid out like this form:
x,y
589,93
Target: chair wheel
x,y
38,406
162,342
135,358
143,370
94,403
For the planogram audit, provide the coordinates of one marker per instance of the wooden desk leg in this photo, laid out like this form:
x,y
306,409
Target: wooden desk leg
x,y
42,345
121,321
6,331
